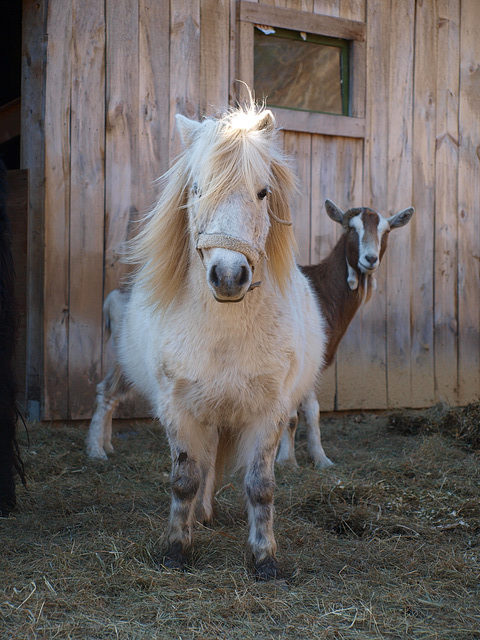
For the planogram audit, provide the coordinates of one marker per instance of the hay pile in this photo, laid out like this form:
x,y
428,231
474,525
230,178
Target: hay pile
x,y
386,544
460,423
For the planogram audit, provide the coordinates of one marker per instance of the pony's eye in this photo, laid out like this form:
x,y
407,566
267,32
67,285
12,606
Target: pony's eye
x,y
261,195
195,189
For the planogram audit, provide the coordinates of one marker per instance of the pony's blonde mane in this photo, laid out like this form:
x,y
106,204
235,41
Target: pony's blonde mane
x,y
237,148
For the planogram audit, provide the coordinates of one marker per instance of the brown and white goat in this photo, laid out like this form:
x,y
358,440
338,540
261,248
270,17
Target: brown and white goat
x,y
342,282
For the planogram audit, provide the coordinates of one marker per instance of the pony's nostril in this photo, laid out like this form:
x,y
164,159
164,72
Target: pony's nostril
x,y
214,277
244,277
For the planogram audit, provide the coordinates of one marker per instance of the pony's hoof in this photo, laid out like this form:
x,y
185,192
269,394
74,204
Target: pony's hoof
x,y
287,463
174,558
268,569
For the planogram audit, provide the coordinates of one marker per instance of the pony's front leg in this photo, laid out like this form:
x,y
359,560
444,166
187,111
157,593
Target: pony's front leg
x,y
286,450
311,409
259,488
186,480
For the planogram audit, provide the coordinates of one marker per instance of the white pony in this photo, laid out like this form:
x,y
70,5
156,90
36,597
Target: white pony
x,y
220,330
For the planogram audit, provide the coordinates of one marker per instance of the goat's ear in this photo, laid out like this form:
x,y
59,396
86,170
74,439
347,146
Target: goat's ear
x,y
334,212
187,129
401,218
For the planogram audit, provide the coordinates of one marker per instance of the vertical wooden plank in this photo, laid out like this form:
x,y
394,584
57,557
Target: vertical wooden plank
x,y
298,147
355,10
353,390
469,205
350,359
184,65
245,64
327,7
324,232
32,141
446,201
399,197
325,184
154,95
17,209
423,199
337,173
121,137
57,207
86,206
373,315
214,51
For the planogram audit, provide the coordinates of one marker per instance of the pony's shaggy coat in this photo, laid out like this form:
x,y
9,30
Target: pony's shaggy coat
x,y
222,378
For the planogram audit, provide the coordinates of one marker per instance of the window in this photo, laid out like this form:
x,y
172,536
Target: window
x,y
309,67
296,70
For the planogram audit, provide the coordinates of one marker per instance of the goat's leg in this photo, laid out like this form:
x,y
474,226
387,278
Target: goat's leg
x,y
286,450
109,393
311,409
259,488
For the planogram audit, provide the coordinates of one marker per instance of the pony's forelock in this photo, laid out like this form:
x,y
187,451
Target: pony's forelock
x,y
226,152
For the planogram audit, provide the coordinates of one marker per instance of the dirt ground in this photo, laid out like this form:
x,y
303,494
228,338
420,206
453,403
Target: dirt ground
x,y
385,544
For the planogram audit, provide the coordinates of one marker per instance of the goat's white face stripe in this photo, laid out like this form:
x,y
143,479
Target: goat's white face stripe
x,y
369,240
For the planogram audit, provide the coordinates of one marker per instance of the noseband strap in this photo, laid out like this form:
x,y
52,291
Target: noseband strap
x,y
222,241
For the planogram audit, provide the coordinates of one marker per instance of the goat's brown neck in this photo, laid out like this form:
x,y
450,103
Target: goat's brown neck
x,y
338,302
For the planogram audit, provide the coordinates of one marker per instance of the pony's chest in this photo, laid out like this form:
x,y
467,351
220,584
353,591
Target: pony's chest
x,y
225,377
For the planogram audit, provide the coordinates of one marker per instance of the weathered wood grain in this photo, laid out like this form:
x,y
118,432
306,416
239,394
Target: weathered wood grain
x,y
446,201
184,65
301,21
214,52
323,233
321,123
57,209
399,186
32,157
469,205
373,315
87,180
121,136
154,100
298,147
423,199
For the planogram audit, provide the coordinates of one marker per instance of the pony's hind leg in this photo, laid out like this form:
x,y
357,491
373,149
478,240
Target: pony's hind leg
x,y
286,450
259,488
212,477
110,391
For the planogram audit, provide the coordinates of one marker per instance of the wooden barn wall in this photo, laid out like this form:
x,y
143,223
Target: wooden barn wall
x,y
113,74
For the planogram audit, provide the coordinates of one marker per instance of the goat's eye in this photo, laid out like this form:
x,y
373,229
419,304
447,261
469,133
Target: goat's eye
x,y
261,195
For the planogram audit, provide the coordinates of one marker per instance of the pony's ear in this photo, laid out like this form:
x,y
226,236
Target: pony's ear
x,y
266,122
401,218
187,129
334,212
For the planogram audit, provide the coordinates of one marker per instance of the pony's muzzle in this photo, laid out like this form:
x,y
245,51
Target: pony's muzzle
x,y
229,279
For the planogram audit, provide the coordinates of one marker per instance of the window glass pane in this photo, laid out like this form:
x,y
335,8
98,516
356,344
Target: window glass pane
x,y
296,74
